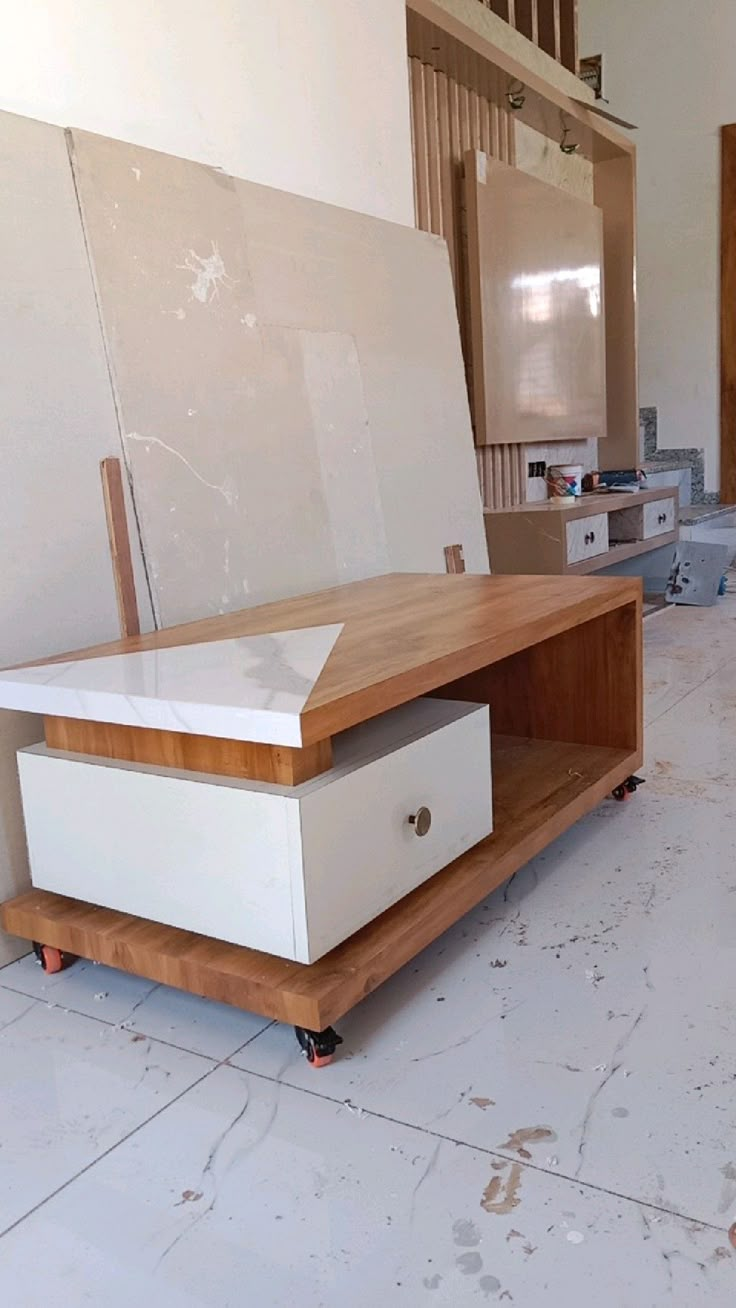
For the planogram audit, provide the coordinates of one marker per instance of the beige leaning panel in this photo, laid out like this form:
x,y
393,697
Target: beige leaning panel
x,y
289,383
536,301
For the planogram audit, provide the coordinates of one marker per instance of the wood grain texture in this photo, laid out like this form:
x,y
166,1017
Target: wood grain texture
x,y
282,765
405,634
582,686
454,561
540,789
728,314
122,560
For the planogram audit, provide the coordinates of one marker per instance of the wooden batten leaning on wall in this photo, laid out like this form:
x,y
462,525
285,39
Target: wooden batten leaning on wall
x,y
459,82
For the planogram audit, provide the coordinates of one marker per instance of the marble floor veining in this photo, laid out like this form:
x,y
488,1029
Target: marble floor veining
x,y
540,1109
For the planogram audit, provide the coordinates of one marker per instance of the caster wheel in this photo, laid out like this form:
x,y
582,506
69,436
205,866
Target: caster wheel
x,y
319,1046
51,959
628,788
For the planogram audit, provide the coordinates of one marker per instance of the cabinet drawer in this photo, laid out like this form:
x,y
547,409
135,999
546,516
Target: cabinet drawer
x,y
659,517
586,537
291,871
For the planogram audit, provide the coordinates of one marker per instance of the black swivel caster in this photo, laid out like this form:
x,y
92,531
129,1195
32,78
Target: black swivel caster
x,y
319,1046
628,788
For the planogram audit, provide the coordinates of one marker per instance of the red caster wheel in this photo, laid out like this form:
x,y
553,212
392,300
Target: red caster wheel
x,y
628,788
319,1046
51,959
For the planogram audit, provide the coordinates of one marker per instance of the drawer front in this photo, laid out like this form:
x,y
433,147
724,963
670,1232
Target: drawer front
x,y
207,857
291,872
659,517
586,537
361,852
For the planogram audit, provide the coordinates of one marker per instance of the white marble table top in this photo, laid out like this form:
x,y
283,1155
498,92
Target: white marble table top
x,y
244,688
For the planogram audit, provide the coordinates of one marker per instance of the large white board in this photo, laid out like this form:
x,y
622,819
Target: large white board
x,y
288,378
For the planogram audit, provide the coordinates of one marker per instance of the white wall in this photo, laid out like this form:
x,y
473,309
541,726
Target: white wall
x,y
669,67
307,95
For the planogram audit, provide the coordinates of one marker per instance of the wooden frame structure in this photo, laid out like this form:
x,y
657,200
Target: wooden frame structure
x,y
550,24
459,91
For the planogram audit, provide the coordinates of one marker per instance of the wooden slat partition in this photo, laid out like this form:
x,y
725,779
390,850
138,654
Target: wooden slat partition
x,y
526,20
472,62
548,18
504,9
550,24
569,34
449,116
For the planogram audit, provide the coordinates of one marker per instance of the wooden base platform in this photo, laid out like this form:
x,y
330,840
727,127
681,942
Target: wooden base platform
x,y
541,787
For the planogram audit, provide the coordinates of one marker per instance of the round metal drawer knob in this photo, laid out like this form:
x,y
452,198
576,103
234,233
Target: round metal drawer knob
x,y
421,821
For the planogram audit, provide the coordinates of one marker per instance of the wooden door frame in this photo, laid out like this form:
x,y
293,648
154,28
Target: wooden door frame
x,y
728,314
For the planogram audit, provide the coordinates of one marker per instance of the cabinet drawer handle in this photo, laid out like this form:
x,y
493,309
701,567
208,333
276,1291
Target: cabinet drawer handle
x,y
662,517
421,821
589,537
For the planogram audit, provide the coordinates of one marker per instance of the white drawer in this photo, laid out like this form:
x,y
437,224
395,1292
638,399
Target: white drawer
x,y
586,537
291,871
659,517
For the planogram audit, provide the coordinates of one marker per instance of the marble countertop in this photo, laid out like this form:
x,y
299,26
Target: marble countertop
x,y
244,688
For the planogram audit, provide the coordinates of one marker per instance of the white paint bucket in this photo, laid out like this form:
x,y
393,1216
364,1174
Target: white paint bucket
x,y
565,479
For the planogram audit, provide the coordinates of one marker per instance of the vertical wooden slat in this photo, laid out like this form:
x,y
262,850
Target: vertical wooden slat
x,y
569,34
510,138
475,120
526,19
485,125
495,119
454,560
497,454
504,9
614,191
465,119
122,559
517,481
728,314
447,181
433,151
413,130
506,472
421,145
548,20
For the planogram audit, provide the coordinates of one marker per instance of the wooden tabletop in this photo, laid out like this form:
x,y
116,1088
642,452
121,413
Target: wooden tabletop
x,y
404,634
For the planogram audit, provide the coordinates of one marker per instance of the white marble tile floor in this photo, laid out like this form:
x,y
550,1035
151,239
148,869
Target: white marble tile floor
x,y
538,1110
